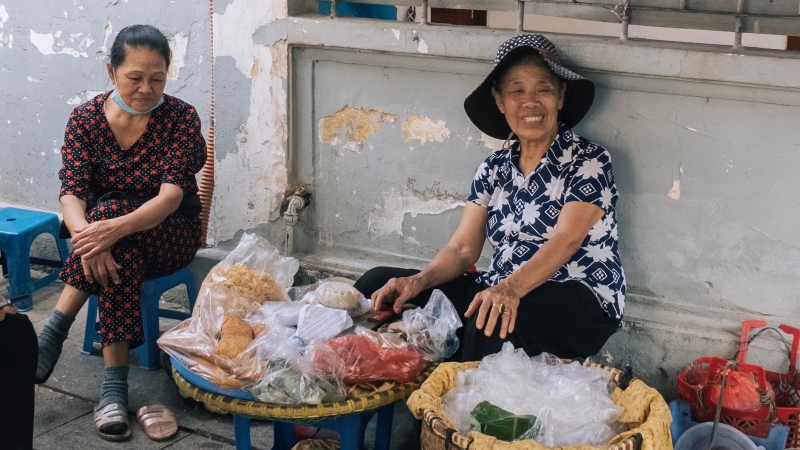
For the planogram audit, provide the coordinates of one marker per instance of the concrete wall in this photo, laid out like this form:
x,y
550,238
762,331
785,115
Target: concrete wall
x,y
52,58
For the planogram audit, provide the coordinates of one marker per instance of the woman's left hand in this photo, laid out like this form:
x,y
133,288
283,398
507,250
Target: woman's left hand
x,y
96,237
497,302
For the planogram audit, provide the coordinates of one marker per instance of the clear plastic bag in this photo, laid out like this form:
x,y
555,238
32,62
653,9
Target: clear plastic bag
x,y
311,379
432,330
338,295
365,361
235,289
254,269
385,340
571,402
195,341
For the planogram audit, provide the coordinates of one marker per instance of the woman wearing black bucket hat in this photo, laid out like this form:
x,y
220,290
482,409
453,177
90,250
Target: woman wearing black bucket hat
x,y
546,202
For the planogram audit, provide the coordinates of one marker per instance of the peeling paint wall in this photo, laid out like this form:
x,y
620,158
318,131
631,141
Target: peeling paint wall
x,y
52,58
251,173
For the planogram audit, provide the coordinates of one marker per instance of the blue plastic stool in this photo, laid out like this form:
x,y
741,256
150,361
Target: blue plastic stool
x,y
18,229
682,421
152,290
350,427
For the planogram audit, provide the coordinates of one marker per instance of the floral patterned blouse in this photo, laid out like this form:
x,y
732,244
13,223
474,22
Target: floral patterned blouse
x,y
524,210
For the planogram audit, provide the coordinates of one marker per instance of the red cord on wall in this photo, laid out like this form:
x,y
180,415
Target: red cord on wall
x,y
206,188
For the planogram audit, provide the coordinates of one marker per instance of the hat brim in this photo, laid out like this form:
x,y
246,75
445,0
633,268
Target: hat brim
x,y
482,110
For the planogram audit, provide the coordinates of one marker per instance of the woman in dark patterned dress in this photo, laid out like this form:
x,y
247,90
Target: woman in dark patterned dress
x,y
129,200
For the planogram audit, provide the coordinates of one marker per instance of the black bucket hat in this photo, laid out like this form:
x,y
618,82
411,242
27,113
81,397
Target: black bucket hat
x,y
482,109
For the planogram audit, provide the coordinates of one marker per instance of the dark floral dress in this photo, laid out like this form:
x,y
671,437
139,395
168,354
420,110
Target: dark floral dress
x,y
171,150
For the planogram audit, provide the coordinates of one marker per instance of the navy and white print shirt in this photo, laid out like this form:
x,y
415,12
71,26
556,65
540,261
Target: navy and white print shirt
x,y
523,211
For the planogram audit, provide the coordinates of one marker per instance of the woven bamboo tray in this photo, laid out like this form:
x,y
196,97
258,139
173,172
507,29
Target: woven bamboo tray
x,y
296,413
438,436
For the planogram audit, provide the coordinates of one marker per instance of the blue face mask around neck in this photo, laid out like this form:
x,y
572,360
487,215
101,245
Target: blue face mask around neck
x,y
118,100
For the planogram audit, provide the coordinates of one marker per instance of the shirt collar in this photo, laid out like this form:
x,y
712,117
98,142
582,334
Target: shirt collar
x,y
555,155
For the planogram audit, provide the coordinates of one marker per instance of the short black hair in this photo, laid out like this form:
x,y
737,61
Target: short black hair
x,y
139,36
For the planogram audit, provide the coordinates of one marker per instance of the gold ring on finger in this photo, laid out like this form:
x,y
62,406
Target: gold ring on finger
x,y
507,312
500,307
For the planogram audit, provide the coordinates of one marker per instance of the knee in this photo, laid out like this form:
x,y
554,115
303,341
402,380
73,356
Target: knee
x,y
108,209
23,333
372,280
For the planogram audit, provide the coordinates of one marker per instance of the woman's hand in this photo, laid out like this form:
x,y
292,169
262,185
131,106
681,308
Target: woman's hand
x,y
95,238
101,268
499,301
397,291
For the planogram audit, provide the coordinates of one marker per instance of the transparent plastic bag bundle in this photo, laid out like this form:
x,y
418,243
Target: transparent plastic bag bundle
x,y
365,361
338,295
312,379
225,341
572,403
432,330
254,269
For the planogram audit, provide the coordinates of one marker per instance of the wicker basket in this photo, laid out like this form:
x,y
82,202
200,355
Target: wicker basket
x,y
438,436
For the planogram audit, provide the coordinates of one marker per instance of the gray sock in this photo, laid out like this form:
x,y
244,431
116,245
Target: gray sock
x,y
51,339
115,386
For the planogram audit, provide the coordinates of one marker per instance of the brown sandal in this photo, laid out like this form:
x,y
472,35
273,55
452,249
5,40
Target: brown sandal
x,y
113,417
158,422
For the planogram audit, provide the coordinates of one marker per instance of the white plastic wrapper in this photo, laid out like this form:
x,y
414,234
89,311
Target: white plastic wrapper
x,y
385,340
318,323
432,330
572,402
338,295
287,313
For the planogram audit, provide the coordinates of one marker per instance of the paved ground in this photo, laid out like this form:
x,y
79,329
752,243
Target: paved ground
x,y
64,405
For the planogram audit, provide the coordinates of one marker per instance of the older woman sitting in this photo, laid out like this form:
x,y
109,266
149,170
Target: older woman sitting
x,y
546,203
129,199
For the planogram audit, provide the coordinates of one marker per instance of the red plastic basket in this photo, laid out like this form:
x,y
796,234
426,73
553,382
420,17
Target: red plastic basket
x,y
697,392
785,385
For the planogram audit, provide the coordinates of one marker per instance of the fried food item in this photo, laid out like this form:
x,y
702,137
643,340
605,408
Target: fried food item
x,y
234,336
252,284
338,295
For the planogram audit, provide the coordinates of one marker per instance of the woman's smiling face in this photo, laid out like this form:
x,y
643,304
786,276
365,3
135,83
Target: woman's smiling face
x,y
530,95
141,78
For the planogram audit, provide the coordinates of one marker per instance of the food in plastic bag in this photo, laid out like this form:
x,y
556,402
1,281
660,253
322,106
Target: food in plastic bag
x,y
494,421
255,270
335,294
740,392
365,361
250,283
571,402
194,341
338,295
432,330
312,379
385,340
234,336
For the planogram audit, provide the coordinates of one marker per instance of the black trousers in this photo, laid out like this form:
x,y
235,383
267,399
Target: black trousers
x,y
561,318
18,358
